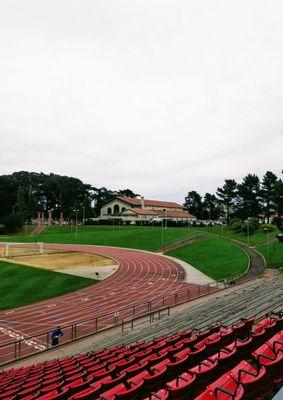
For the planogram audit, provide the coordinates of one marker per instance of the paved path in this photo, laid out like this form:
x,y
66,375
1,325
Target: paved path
x,y
257,261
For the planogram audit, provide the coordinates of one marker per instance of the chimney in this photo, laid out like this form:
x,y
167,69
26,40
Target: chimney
x,y
142,202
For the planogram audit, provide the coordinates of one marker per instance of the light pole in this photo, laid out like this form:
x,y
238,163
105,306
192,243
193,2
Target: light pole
x,y
83,215
162,234
268,242
13,212
76,224
248,232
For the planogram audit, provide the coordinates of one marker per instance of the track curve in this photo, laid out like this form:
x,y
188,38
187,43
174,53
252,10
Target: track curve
x,y
141,277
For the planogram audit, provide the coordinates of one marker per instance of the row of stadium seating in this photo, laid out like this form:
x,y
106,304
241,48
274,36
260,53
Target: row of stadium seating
x,y
243,361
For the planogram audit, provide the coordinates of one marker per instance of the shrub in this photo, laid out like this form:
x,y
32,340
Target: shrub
x,y
12,223
267,227
250,226
236,225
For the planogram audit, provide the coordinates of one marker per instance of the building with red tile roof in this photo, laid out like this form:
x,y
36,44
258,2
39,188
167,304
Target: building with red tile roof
x,y
141,209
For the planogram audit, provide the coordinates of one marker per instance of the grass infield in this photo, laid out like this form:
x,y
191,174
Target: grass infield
x,y
21,285
215,257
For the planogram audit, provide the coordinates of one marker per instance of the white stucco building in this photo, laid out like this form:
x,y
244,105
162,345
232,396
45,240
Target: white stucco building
x,y
140,209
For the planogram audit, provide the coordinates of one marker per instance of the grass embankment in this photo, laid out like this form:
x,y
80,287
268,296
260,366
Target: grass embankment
x,y
21,285
215,257
254,239
142,238
274,257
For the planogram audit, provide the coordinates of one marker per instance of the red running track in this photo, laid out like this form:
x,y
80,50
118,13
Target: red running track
x,y
141,277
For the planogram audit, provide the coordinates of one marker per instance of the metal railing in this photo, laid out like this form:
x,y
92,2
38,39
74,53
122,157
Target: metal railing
x,y
25,345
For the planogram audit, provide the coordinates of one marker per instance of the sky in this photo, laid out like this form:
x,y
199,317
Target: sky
x,y
162,97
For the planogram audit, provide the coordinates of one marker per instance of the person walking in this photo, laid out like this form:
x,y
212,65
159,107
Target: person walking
x,y
55,336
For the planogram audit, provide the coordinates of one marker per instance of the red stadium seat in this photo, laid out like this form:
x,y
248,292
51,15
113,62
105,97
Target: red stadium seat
x,y
55,395
162,394
87,394
255,382
182,386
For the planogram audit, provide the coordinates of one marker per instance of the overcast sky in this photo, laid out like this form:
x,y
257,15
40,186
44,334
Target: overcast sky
x,y
159,96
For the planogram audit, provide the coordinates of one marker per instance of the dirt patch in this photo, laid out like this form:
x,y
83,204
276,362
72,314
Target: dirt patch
x,y
61,260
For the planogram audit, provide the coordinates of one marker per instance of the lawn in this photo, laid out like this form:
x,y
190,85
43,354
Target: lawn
x,y
21,285
274,258
254,239
143,238
215,257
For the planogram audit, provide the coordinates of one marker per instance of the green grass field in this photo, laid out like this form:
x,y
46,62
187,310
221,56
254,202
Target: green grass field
x,y
21,285
214,256
274,257
254,239
142,238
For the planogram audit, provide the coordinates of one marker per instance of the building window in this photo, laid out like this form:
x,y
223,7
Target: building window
x,y
123,209
109,211
116,209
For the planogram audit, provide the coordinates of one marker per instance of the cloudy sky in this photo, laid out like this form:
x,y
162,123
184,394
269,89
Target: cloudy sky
x,y
159,96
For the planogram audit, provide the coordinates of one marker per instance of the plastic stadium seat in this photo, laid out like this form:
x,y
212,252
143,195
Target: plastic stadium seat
x,y
224,388
96,367
255,382
101,373
125,363
50,388
87,394
205,371
9,393
110,381
29,391
182,386
151,377
276,342
135,369
226,358
176,367
123,392
272,361
54,395
162,394
78,385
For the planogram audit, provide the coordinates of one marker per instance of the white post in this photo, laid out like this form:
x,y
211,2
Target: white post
x,y
41,248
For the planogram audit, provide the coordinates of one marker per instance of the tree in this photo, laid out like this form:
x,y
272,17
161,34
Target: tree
x,y
277,197
267,192
248,204
194,204
127,193
211,208
227,195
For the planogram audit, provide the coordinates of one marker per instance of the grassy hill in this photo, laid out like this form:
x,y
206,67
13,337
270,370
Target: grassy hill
x,y
213,256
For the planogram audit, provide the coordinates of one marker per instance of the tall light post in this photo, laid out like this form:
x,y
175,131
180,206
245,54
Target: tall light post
x,y
83,215
268,242
13,211
76,224
162,234
248,232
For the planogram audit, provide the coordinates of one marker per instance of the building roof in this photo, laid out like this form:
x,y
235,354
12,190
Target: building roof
x,y
162,213
176,214
149,203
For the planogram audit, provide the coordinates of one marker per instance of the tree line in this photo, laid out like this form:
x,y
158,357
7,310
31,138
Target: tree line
x,y
23,194
246,199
